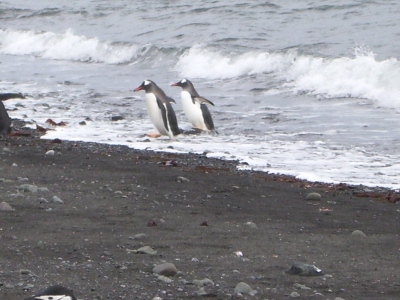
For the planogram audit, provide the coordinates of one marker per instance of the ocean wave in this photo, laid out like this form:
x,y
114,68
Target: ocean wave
x,y
360,76
199,61
65,46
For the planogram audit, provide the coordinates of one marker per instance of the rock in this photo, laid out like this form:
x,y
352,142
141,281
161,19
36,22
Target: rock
x,y
182,179
358,233
202,282
50,152
314,197
251,225
164,279
117,118
302,269
5,206
301,286
244,288
165,269
139,236
57,200
42,200
295,295
28,188
146,250
21,179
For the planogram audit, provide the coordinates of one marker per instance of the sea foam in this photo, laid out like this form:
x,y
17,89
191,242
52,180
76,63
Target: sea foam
x,y
64,46
361,76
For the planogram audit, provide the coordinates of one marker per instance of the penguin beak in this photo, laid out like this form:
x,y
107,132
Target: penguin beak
x,y
139,88
175,84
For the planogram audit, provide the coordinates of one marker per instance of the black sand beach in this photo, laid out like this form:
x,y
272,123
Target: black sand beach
x,y
209,220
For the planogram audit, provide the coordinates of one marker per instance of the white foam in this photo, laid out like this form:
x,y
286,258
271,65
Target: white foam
x,y
64,46
199,61
310,160
361,76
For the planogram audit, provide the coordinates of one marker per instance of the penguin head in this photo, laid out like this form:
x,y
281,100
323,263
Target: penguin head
x,y
146,86
184,84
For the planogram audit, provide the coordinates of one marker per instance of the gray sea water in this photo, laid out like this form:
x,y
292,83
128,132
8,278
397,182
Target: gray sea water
x,y
305,88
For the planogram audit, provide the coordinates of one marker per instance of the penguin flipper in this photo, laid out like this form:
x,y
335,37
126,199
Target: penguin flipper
x,y
170,100
202,100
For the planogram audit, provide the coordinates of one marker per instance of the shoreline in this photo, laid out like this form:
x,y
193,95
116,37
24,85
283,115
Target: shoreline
x,y
368,191
81,212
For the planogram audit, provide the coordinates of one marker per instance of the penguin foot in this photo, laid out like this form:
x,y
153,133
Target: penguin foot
x,y
153,135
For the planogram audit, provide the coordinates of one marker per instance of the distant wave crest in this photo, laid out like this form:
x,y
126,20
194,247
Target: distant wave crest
x,y
361,76
64,46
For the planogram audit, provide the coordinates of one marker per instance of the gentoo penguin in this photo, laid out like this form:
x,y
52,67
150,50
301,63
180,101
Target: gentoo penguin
x,y
160,109
55,292
195,107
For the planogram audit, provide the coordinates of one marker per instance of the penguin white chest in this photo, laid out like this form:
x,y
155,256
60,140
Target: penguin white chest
x,y
155,113
192,111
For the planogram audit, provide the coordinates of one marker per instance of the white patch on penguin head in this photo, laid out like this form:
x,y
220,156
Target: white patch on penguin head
x,y
147,82
183,80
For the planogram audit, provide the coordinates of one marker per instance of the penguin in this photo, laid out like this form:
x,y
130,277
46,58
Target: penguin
x,y
195,107
160,110
54,292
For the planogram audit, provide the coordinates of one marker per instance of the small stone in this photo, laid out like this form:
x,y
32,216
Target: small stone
x,y
42,200
146,250
21,179
28,188
164,279
295,295
25,271
139,236
117,118
338,298
251,225
165,269
243,288
314,197
28,287
57,200
306,270
358,233
5,206
203,282
182,179
301,286
50,152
